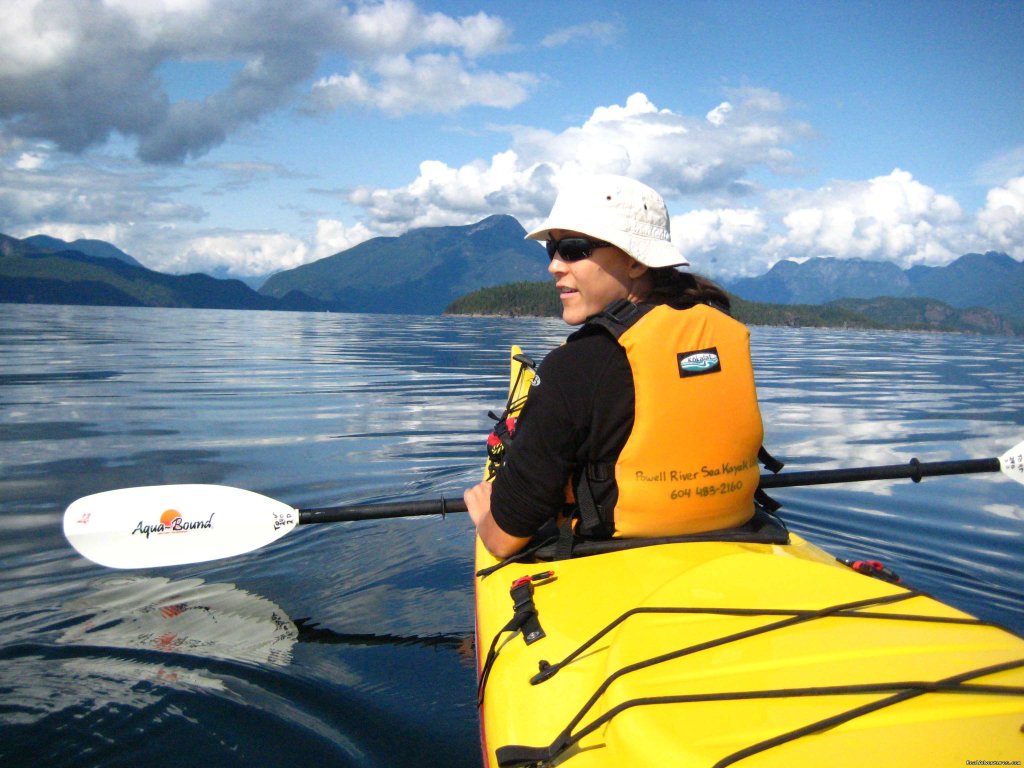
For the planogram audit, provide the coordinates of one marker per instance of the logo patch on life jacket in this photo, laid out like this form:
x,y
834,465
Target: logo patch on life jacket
x,y
698,362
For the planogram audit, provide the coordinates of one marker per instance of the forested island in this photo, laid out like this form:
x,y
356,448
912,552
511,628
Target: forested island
x,y
539,299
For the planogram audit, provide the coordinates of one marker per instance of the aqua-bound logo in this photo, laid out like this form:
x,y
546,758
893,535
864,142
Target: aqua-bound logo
x,y
698,362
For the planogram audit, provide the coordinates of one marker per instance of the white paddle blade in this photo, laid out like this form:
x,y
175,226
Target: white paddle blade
x,y
1012,462
160,525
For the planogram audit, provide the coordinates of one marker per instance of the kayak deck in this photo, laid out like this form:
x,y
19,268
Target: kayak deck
x,y
715,653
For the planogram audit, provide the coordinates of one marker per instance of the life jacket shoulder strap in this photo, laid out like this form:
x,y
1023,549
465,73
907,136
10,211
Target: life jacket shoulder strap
x,y
619,316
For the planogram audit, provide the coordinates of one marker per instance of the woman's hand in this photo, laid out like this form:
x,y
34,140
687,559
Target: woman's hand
x,y
478,504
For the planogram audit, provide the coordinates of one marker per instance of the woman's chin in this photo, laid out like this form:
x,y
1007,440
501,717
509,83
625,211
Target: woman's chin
x,y
571,317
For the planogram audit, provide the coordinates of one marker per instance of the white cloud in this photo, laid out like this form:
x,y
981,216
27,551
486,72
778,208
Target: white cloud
x,y
400,85
442,195
711,239
679,154
894,217
333,236
30,161
600,32
1001,221
110,233
244,254
77,72
719,114
399,26
239,254
675,153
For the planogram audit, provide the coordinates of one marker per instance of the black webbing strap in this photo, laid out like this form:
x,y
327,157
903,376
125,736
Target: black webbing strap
x,y
763,528
566,541
524,617
520,556
586,515
618,316
902,690
518,755
770,463
774,466
766,501
953,684
849,610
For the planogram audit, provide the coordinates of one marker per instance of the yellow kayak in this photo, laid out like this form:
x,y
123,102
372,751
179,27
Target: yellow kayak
x,y
759,652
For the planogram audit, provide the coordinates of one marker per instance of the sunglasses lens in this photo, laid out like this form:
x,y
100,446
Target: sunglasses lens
x,y
570,248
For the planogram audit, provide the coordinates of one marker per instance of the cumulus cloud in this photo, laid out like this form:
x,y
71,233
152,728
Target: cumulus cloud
x,y
442,195
678,154
76,72
710,158
1001,221
893,217
239,254
711,239
334,236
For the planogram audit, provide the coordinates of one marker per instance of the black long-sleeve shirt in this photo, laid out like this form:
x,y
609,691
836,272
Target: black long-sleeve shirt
x,y
580,412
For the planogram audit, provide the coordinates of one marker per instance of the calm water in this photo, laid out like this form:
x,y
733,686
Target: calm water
x,y
349,644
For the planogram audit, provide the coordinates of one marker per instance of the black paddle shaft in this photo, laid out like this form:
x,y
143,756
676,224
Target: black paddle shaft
x,y
381,511
915,470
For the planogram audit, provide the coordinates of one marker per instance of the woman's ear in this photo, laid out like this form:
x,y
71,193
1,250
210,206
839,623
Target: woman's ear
x,y
636,269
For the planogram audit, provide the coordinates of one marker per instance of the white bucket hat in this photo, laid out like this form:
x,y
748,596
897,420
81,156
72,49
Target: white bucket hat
x,y
618,210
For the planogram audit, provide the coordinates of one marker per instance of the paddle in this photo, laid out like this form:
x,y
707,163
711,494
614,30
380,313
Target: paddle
x,y
163,525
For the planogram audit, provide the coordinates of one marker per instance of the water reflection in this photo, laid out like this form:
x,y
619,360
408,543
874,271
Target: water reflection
x,y
187,616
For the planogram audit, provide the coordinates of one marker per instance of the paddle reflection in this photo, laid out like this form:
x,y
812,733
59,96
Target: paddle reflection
x,y
211,620
187,617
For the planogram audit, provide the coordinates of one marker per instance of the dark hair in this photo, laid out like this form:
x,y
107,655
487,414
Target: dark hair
x,y
681,290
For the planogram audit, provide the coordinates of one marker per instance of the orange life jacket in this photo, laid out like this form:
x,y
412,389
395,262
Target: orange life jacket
x,y
690,463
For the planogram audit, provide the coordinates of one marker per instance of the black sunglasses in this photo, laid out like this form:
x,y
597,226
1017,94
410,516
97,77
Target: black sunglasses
x,y
574,248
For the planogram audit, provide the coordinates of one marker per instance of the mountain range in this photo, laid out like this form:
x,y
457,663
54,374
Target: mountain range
x,y
991,280
425,270
96,248
41,270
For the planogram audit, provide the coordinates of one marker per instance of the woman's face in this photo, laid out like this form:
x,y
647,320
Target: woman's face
x,y
589,285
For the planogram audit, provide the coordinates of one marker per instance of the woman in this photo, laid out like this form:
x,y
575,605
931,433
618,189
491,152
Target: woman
x,y
647,418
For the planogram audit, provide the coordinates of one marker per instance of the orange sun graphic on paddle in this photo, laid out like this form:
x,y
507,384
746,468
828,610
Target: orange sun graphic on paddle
x,y
168,517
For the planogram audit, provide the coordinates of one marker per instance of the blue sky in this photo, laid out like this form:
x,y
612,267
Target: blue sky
x,y
243,138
